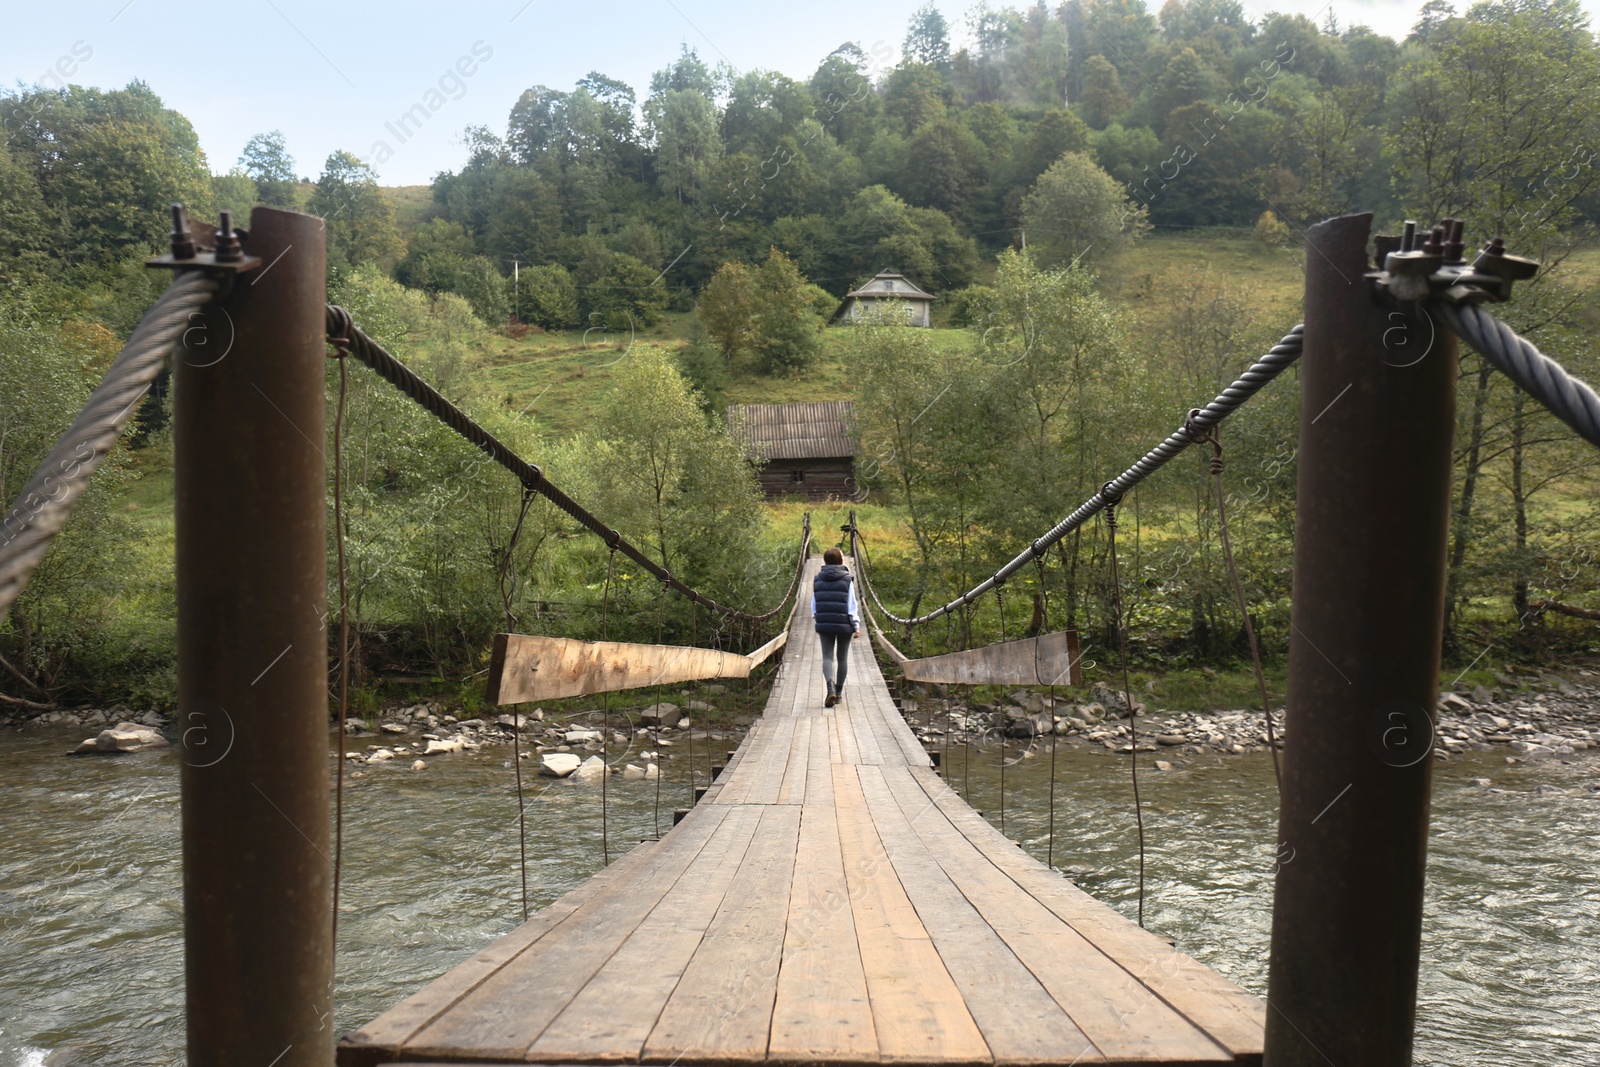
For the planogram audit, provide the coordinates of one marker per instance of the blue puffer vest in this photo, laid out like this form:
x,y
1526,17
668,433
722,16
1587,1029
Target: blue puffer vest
x,y
832,590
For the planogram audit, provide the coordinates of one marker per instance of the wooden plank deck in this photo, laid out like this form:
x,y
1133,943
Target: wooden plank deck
x,y
829,902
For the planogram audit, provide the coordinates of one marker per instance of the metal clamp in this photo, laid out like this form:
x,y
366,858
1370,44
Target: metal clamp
x,y
223,258
1436,270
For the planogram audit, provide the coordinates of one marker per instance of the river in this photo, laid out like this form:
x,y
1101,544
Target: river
x,y
91,952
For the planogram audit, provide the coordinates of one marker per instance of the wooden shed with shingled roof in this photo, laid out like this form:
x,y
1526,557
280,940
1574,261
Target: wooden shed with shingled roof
x,y
887,290
806,450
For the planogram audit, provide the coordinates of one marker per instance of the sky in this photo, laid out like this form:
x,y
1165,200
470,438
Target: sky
x,y
333,74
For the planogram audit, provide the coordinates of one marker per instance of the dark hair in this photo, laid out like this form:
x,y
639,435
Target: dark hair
x,y
833,555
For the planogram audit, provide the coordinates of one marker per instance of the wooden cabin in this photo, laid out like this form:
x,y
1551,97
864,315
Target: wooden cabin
x,y
887,290
801,450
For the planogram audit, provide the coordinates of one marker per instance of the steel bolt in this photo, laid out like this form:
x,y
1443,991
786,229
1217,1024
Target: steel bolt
x,y
182,238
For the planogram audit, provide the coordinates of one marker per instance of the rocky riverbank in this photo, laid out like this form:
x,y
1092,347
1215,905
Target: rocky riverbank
x,y
1549,717
1560,719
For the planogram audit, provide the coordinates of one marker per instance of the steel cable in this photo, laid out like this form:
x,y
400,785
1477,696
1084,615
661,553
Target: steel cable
x,y
1266,368
1568,398
343,333
45,503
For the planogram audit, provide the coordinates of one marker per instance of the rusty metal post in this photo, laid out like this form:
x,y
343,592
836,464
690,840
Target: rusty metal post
x,y
252,660
1376,427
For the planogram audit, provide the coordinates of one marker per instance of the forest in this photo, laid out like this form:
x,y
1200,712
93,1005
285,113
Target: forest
x,y
1064,180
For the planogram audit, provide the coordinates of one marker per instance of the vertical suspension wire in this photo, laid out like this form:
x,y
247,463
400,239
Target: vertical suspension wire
x,y
655,723
344,644
1044,628
694,639
1127,688
507,566
1215,438
605,735
999,598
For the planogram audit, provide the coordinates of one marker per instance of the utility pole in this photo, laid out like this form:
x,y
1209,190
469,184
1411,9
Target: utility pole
x,y
1377,423
516,290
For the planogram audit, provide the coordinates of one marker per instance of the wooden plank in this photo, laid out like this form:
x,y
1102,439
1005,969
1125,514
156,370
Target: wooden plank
x,y
396,1026
613,1013
1101,996
721,1010
762,654
917,1011
527,668
1049,659
1020,1022
508,1011
795,772
1230,1014
822,1011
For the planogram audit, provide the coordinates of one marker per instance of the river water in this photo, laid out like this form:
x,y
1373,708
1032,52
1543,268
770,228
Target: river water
x,y
91,954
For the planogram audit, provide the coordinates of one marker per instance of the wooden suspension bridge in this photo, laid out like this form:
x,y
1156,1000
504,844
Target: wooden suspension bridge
x,y
829,901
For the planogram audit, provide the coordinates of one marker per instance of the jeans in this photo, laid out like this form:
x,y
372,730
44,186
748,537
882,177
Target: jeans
x,y
831,644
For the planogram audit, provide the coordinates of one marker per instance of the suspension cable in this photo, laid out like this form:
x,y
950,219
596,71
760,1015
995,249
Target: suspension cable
x,y
1266,368
1118,621
47,500
1567,397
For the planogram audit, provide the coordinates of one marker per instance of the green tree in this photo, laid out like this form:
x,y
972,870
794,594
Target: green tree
x,y
267,161
1077,211
927,38
360,223
549,297
728,307
1102,98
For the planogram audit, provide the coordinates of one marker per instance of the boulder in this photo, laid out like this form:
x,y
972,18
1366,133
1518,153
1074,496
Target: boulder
x,y
558,764
590,770
634,773
393,728
1163,765
1454,702
452,744
657,714
1480,695
578,737
513,722
381,755
1092,713
472,724
1032,703
123,737
418,765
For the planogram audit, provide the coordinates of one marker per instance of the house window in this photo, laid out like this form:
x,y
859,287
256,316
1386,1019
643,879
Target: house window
x,y
797,476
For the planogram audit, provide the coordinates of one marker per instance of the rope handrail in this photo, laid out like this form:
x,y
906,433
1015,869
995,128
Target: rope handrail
x,y
1200,422
1564,395
345,336
46,502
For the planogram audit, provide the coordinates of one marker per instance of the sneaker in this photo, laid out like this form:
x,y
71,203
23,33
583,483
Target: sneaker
x,y
831,701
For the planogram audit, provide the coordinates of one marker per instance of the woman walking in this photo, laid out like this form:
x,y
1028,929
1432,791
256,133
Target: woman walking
x,y
833,608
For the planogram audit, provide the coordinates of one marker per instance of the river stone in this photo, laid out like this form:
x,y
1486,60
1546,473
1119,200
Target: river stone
x,y
392,728
381,755
449,745
1032,702
590,770
1092,713
579,737
558,764
123,737
1480,695
634,773
1171,739
418,765
699,705
656,714
513,722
